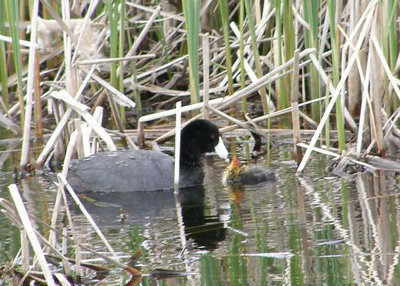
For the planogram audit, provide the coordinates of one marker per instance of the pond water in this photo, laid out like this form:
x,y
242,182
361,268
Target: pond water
x,y
313,230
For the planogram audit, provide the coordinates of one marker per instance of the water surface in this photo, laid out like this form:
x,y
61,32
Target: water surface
x,y
314,230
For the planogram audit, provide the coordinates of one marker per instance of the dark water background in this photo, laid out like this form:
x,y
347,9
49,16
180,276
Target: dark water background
x,y
314,230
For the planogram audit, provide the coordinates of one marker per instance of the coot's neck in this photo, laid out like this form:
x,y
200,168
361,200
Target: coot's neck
x,y
190,159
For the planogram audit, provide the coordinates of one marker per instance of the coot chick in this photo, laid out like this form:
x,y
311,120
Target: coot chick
x,y
247,175
146,170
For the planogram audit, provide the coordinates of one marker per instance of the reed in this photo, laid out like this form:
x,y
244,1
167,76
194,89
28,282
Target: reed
x,y
191,11
392,12
223,4
13,19
311,13
335,67
121,54
241,53
289,38
3,61
254,45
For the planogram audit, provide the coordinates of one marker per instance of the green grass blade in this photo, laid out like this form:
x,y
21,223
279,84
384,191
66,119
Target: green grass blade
x,y
223,4
121,41
241,54
335,67
13,19
310,10
257,61
3,63
191,11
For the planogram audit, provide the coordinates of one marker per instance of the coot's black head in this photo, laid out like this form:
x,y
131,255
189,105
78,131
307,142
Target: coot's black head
x,y
198,137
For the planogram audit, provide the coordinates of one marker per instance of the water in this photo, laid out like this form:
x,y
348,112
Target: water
x,y
313,230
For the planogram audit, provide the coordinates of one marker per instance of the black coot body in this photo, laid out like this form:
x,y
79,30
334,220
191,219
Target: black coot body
x,y
145,170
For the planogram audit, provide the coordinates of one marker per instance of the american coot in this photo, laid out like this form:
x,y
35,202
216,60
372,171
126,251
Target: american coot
x,y
248,175
145,170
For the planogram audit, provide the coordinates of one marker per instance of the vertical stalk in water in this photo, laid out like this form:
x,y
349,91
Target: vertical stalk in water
x,y
257,62
327,124
392,6
3,63
121,40
310,10
289,51
223,4
191,11
335,67
13,19
241,54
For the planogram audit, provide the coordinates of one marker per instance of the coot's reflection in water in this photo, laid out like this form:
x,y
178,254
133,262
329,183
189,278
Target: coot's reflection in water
x,y
135,208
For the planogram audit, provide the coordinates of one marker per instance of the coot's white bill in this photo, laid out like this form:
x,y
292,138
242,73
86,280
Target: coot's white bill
x,y
220,149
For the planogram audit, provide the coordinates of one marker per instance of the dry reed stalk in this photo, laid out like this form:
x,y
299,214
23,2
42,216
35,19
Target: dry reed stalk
x,y
349,120
89,218
320,150
31,234
177,156
24,250
29,87
82,110
38,102
63,121
70,79
363,111
91,10
22,43
112,60
152,10
279,113
353,86
171,112
120,98
57,19
9,124
295,108
376,87
393,80
57,204
116,116
237,122
78,256
143,33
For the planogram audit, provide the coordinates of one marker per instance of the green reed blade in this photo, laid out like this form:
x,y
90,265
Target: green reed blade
x,y
335,67
241,54
310,10
191,11
11,9
223,4
257,61
121,41
3,63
